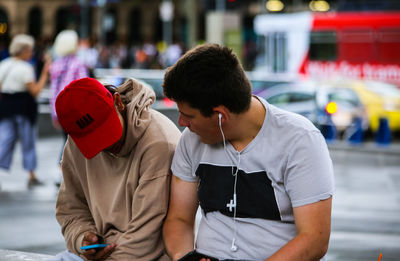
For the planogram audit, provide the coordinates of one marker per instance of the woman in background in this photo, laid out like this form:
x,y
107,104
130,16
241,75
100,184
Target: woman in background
x,y
18,107
65,68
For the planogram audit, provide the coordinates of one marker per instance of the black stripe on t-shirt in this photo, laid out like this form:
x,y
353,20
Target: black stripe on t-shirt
x,y
254,192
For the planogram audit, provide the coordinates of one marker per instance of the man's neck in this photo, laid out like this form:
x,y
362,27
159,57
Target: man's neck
x,y
246,126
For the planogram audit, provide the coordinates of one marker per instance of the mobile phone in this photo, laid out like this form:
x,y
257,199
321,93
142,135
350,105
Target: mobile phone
x,y
95,246
195,256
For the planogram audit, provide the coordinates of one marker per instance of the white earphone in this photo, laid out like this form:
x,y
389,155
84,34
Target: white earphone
x,y
234,248
232,203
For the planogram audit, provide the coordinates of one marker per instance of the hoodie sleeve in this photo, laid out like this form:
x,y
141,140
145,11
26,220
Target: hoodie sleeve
x,y
143,240
72,211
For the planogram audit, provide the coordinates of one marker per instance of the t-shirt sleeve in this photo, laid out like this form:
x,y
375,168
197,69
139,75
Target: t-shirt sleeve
x,y
182,165
28,75
309,173
2,72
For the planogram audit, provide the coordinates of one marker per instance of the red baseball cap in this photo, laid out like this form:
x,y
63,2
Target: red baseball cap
x,y
85,110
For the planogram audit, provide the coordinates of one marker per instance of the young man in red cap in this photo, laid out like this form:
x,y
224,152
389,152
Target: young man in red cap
x,y
115,170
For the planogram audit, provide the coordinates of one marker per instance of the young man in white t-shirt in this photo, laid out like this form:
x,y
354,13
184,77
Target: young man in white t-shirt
x,y
263,177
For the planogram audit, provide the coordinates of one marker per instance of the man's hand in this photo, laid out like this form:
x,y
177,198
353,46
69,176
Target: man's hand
x,y
91,238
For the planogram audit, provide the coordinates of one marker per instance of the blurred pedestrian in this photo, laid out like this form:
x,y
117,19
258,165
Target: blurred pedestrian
x,y
65,68
88,54
262,176
172,54
141,58
18,107
116,171
103,60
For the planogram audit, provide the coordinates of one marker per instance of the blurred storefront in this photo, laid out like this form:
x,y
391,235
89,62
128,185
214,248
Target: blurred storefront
x,y
137,22
126,22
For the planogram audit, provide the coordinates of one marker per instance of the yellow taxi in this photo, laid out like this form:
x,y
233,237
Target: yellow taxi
x,y
381,100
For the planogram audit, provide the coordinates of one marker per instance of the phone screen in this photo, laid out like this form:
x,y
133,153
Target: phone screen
x,y
95,246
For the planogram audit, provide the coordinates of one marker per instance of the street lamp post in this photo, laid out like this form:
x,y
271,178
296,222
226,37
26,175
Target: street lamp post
x,y
101,4
220,5
84,26
166,14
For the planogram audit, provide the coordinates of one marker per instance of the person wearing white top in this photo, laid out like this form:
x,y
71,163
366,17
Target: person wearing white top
x,y
18,108
262,177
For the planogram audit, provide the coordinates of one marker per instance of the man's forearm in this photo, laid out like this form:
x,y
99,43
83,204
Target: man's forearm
x,y
178,237
302,247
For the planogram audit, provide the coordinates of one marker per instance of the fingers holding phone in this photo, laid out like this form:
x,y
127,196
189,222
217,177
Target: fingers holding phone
x,y
99,252
93,249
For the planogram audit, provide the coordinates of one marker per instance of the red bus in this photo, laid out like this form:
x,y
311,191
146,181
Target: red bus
x,y
352,44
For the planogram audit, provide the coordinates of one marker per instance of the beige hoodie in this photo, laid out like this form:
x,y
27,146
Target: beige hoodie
x,y
124,197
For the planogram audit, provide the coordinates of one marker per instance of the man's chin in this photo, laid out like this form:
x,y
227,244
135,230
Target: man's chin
x,y
205,140
208,141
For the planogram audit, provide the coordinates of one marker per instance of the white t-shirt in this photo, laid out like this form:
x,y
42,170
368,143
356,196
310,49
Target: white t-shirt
x,y
15,74
286,165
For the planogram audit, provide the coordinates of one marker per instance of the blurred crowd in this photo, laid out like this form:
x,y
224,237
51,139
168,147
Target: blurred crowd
x,y
28,65
147,55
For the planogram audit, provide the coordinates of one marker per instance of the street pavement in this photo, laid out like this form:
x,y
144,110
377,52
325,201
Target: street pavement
x,y
27,220
365,219
366,205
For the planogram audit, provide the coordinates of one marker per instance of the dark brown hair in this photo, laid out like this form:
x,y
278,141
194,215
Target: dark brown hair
x,y
208,76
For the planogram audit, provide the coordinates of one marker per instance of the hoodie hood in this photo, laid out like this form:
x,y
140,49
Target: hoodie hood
x,y
137,97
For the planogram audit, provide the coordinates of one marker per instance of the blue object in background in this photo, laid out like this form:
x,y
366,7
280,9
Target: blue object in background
x,y
383,135
355,133
328,130
116,81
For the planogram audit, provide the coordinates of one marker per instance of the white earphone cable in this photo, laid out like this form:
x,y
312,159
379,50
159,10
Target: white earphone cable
x,y
233,246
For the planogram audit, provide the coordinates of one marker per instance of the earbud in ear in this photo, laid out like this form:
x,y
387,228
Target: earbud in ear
x,y
220,116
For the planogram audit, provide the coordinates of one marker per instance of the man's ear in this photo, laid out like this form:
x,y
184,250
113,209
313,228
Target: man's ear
x,y
221,111
118,102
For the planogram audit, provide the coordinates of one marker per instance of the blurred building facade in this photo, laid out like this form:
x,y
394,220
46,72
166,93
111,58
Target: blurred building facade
x,y
129,22
117,20
134,22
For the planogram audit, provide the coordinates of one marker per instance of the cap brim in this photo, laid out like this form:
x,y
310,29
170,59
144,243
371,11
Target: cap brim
x,y
100,138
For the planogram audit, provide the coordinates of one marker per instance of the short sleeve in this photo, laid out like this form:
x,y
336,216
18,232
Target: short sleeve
x,y
182,164
2,71
309,172
28,75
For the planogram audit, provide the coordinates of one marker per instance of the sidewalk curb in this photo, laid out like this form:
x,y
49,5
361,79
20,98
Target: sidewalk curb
x,y
366,147
11,255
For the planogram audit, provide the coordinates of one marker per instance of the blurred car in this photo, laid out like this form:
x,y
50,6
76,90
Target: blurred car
x,y
381,100
151,78
318,102
155,79
261,81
